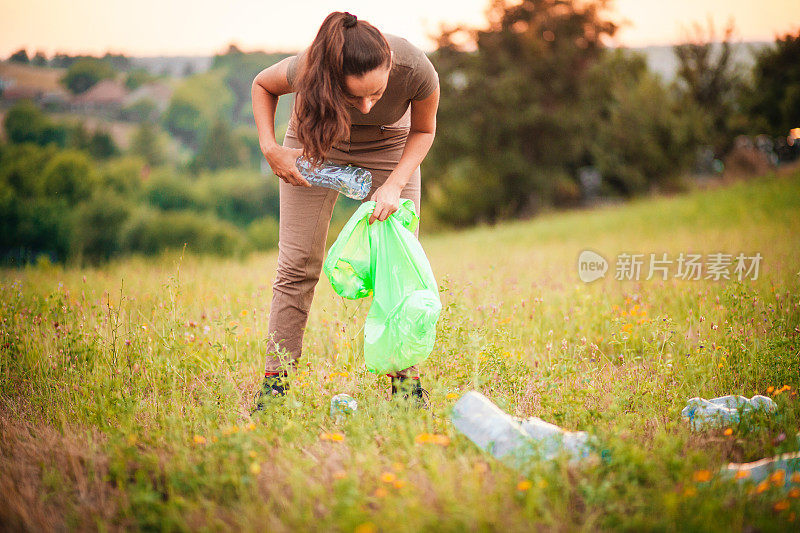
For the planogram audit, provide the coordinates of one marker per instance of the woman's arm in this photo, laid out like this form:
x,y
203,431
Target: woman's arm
x,y
268,85
420,139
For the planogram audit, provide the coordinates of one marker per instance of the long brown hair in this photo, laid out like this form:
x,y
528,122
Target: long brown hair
x,y
343,46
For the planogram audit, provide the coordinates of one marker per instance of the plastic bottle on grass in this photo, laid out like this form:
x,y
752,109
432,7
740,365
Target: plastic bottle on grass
x,y
352,181
782,469
513,440
702,413
554,439
342,405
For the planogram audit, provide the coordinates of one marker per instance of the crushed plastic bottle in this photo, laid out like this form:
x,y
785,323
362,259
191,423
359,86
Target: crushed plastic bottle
x,y
702,413
758,471
352,181
342,405
554,439
513,440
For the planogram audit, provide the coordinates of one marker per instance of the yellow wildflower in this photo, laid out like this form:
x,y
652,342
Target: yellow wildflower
x,y
388,477
702,475
380,492
741,474
336,437
451,395
781,505
366,527
199,439
432,438
524,485
778,477
794,493
255,468
728,432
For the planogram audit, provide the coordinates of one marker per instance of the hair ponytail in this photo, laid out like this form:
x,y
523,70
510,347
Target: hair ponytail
x,y
343,46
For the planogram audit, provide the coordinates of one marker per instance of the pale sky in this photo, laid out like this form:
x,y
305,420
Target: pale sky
x,y
202,27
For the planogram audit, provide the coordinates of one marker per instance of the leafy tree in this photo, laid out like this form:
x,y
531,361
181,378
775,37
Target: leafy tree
x,y
220,149
643,135
195,104
239,70
101,145
21,168
773,100
142,110
25,122
138,77
84,73
709,78
123,175
97,226
40,60
512,107
70,176
147,143
20,56
119,62
62,60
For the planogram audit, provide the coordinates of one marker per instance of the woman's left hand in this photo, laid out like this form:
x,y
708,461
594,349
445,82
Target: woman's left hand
x,y
387,199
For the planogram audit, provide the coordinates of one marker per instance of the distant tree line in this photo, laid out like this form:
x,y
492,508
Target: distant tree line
x,y
71,196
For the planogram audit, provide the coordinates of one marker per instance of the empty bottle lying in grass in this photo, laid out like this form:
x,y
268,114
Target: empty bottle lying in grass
x,y
725,410
342,405
782,469
513,440
352,181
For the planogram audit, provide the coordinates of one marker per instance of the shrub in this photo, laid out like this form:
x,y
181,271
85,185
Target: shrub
x,y
69,175
97,225
150,231
263,233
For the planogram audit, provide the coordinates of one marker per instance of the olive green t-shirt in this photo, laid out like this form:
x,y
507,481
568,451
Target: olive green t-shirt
x,y
412,77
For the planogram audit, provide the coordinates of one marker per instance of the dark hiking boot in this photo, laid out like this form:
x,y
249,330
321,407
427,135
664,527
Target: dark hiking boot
x,y
274,385
410,388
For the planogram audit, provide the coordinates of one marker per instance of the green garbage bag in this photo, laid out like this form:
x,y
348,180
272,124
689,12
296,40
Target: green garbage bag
x,y
385,260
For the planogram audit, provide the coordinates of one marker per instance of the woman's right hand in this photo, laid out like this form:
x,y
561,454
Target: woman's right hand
x,y
282,162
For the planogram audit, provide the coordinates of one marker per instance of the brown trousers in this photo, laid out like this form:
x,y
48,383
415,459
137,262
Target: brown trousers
x,y
305,215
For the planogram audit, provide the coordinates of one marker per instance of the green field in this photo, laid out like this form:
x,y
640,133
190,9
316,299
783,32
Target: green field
x,y
125,390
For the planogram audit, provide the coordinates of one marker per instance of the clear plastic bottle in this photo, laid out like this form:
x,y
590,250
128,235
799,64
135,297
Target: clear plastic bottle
x,y
511,439
350,180
342,405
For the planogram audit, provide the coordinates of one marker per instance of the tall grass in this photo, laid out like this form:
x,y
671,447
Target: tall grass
x,y
125,390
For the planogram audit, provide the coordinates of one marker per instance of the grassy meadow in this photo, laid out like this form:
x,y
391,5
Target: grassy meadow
x,y
125,390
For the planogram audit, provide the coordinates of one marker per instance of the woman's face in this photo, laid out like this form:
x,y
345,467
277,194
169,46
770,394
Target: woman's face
x,y
362,92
